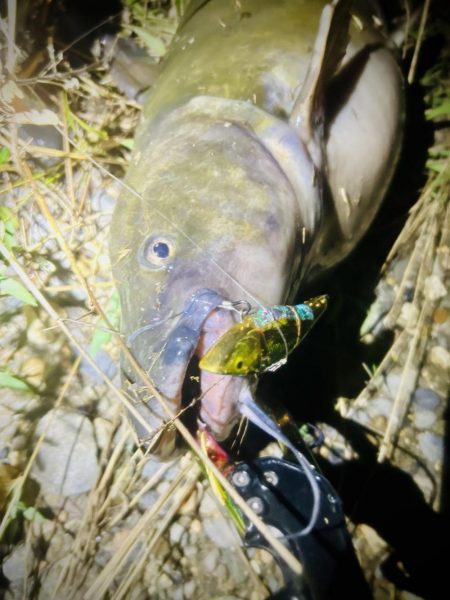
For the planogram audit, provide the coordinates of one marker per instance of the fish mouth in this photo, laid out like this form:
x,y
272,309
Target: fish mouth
x,y
174,369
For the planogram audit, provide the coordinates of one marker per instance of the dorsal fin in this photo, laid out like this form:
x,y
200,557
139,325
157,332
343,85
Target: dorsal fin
x,y
329,48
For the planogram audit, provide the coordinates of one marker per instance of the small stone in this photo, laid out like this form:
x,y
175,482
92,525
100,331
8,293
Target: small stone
x,y
103,430
381,406
189,589
67,459
15,458
164,582
434,288
13,401
19,442
440,315
440,357
176,533
196,526
5,417
426,398
424,419
220,532
37,337
14,565
162,487
177,593
431,446
379,422
392,382
33,371
408,316
211,559
222,572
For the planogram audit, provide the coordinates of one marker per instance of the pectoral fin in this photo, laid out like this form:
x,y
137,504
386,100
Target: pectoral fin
x,y
329,48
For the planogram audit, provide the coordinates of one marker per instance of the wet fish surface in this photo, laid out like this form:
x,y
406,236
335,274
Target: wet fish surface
x,y
264,151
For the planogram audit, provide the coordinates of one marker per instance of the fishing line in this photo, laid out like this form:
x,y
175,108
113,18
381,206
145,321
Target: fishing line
x,y
152,325
256,415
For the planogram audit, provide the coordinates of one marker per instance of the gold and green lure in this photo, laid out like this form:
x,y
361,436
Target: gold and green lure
x,y
263,339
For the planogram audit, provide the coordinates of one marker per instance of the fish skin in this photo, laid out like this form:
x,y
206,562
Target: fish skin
x,y
256,166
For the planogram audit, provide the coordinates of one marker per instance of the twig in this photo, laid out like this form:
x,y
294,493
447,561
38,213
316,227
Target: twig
x,y
415,58
11,54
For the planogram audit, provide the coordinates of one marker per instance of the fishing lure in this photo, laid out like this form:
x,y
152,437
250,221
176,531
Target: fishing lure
x,y
263,339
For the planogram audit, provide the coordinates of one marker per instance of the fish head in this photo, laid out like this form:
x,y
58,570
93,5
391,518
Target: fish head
x,y
206,216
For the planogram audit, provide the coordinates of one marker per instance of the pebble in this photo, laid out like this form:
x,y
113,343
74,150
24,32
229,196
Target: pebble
x,y
434,288
431,446
33,370
162,487
37,336
426,398
196,526
164,582
424,419
103,430
148,499
408,316
210,560
379,422
19,442
189,589
392,382
177,593
440,315
67,459
176,532
14,565
379,407
13,401
5,416
440,357
220,532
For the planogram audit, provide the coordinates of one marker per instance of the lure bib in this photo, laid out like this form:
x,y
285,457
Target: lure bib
x,y
263,339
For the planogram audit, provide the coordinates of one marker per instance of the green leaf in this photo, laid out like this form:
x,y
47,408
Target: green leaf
x,y
32,514
102,336
4,155
9,223
13,383
16,289
439,111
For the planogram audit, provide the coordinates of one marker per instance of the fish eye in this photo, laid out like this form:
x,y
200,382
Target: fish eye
x,y
161,249
156,251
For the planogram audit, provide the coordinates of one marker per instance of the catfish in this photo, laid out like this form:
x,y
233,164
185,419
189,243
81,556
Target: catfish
x,y
264,151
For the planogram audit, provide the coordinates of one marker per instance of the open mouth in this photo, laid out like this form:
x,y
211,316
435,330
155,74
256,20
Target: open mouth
x,y
175,370
219,393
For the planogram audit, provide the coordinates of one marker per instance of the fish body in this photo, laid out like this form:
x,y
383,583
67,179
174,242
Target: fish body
x,y
263,339
264,151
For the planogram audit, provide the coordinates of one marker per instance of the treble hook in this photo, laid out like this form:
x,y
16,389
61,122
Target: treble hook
x,y
242,307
